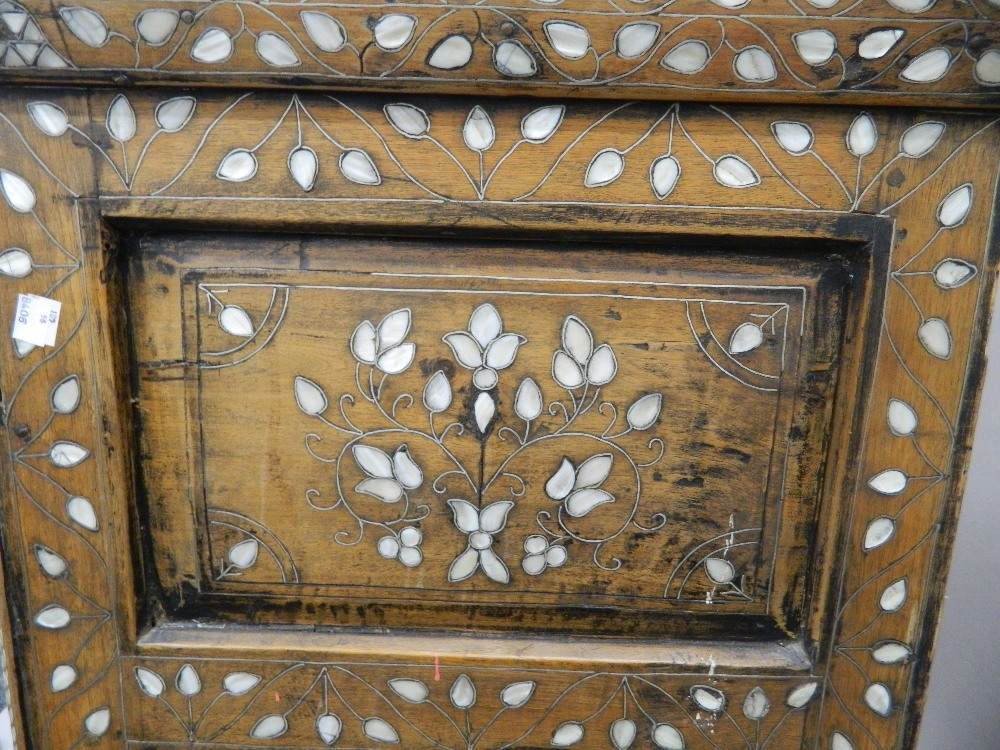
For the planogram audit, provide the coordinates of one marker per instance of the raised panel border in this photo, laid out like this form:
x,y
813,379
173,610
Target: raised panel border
x,y
65,187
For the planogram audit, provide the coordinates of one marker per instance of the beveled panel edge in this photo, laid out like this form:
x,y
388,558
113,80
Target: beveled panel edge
x,y
889,52
889,584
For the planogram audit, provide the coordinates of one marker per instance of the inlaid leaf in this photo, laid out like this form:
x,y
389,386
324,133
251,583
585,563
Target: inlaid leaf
x,y
901,417
561,483
188,681
234,320
240,683
173,114
577,339
156,25
393,31
66,395
893,596
373,461
644,412
879,699
396,359
328,727
275,51
582,502
719,571
379,730
98,722
270,726
120,121
879,532
53,617
357,166
633,40
663,175
606,167
622,733
16,263
214,45
478,131
928,66
565,371
815,46
493,517
756,705
603,366
451,53
81,512
63,678
593,471
746,338
405,469
568,39
862,135
463,692
244,554
795,137
528,400
755,65
919,139
935,336
484,409
17,192
801,695
87,25
303,166
735,172
437,393
708,698
326,31
688,57
889,482
987,68
463,566
511,59
49,118
839,741
408,120
954,209
517,694
53,564
413,691
386,490
239,165
539,125
891,652
877,43
567,734
666,737
66,454
950,273
310,397
912,6
150,682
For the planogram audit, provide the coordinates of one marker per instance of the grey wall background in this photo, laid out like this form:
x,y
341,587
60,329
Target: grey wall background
x,y
963,698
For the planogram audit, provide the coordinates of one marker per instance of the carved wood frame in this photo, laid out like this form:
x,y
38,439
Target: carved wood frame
x,y
83,652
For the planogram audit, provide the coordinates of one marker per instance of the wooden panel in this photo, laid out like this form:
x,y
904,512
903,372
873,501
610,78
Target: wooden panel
x,y
702,402
916,51
105,666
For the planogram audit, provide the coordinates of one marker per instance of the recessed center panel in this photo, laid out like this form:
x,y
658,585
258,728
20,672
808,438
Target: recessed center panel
x,y
351,432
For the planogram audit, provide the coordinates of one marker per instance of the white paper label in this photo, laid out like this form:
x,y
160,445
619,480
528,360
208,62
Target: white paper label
x,y
36,320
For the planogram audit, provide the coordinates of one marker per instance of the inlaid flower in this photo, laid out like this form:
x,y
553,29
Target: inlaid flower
x,y
541,554
481,526
404,546
388,477
484,348
577,486
383,346
578,363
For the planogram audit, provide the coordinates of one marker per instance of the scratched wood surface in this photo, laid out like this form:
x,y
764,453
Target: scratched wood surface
x,y
896,204
872,51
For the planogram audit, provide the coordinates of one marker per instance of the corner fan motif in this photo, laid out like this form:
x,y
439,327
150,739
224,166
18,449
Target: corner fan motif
x,y
580,366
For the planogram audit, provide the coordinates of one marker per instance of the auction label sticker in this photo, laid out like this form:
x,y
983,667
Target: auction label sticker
x,y
36,320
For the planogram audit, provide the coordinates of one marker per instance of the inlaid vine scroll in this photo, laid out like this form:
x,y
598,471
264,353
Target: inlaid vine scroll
x,y
900,202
